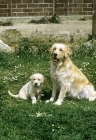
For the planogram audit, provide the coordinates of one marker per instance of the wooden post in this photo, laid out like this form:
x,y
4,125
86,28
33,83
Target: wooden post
x,y
94,20
54,7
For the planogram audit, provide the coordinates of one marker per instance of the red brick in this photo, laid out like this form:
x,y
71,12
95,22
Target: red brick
x,y
72,5
44,14
60,5
16,1
73,13
38,1
3,11
78,1
37,10
33,14
82,13
13,5
3,15
21,5
87,9
14,14
70,9
32,5
27,10
3,6
22,14
48,1
17,10
89,13
89,5
82,5
87,1
50,5
43,5
71,1
48,9
62,1
27,1
77,9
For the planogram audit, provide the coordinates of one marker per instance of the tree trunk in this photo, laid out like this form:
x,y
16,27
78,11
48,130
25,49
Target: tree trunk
x,y
94,20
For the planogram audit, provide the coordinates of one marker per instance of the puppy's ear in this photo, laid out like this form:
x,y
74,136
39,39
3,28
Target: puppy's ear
x,y
68,52
31,77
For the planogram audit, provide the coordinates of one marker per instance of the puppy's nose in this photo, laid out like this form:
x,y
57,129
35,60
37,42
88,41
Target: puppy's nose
x,y
55,55
35,84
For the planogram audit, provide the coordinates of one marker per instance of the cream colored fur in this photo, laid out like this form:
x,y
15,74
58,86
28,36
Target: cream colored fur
x,y
32,89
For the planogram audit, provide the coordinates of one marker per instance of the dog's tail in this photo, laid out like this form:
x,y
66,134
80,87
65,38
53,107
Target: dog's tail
x,y
16,96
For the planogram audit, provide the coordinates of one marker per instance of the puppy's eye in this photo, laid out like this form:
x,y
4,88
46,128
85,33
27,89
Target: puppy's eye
x,y
38,79
33,79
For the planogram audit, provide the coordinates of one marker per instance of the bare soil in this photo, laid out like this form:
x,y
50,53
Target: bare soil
x,y
68,25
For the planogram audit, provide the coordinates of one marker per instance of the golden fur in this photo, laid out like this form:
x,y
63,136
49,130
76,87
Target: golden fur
x,y
66,77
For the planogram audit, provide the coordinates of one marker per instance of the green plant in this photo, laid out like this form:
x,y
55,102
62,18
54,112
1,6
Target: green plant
x,y
82,18
53,19
42,20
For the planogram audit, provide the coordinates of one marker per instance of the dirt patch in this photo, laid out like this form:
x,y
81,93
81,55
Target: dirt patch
x,y
68,25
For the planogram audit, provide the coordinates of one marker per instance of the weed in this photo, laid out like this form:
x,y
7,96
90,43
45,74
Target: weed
x,y
6,23
43,20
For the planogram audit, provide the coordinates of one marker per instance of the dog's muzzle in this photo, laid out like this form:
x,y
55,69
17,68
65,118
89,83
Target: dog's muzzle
x,y
55,59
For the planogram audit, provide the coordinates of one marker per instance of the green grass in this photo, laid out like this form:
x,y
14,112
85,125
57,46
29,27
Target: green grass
x,y
20,120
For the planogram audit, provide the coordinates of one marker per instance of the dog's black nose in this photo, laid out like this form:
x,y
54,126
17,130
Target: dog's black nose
x,y
55,55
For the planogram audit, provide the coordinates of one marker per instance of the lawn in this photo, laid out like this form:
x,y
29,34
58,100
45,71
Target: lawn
x,y
20,120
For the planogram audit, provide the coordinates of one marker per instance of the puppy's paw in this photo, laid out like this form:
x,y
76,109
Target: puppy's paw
x,y
51,100
47,101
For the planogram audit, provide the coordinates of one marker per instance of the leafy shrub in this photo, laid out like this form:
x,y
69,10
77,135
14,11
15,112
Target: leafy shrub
x,y
53,19
43,20
85,51
6,23
25,49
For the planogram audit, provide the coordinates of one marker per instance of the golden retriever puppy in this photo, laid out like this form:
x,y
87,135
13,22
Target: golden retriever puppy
x,y
31,89
66,77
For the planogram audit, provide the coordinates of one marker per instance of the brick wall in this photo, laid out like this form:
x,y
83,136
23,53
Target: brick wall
x,y
45,7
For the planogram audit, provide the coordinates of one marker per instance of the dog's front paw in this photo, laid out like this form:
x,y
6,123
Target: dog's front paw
x,y
58,102
33,103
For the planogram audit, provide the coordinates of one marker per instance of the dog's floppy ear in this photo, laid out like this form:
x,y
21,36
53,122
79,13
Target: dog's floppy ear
x,y
51,49
43,79
68,52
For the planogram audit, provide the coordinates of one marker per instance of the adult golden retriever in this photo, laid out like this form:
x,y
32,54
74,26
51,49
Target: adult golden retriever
x,y
66,77
31,89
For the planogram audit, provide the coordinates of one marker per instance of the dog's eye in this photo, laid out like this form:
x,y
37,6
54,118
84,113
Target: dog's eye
x,y
61,50
54,49
33,79
38,79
